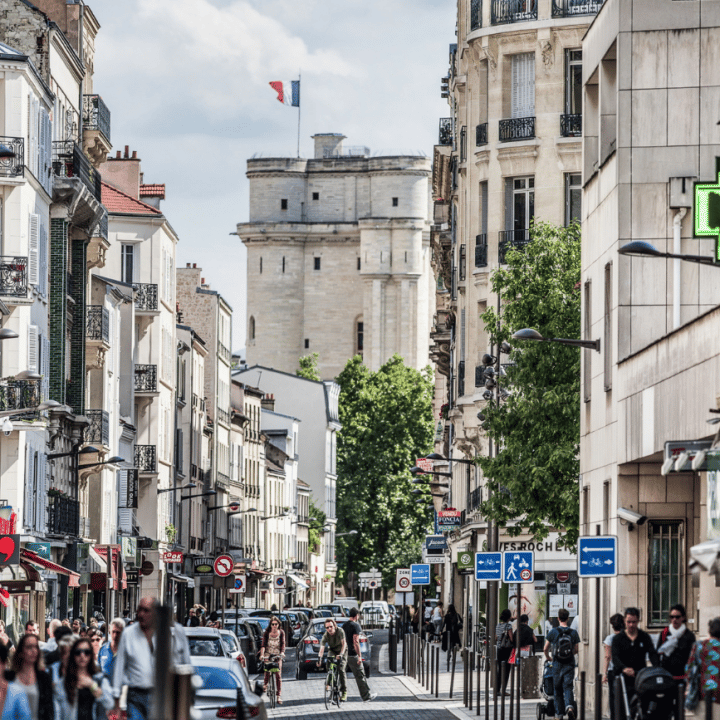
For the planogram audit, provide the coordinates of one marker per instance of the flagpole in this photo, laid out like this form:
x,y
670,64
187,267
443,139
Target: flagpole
x,y
299,105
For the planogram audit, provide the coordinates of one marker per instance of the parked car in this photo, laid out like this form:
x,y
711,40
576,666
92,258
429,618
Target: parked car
x,y
221,678
374,616
233,647
307,651
249,634
338,611
322,613
205,642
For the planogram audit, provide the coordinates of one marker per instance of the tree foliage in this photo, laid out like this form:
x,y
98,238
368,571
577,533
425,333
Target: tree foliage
x,y
387,422
533,479
308,367
316,523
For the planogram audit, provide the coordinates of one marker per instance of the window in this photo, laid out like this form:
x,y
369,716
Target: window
x,y
251,328
665,573
519,206
307,343
573,197
261,265
523,86
359,338
316,263
283,267
316,196
573,82
587,379
358,263
283,204
607,330
395,202
128,263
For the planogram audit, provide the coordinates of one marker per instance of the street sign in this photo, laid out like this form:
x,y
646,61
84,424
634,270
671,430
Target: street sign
x,y
402,580
424,464
240,584
280,583
372,584
518,567
465,562
597,556
223,565
132,577
434,559
707,213
488,566
449,519
420,574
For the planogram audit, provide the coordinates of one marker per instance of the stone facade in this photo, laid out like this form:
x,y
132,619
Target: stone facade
x,y
338,258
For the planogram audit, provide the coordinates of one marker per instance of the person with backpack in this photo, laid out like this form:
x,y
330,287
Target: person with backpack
x,y
505,644
563,641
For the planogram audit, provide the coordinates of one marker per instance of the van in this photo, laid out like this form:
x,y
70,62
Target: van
x,y
346,602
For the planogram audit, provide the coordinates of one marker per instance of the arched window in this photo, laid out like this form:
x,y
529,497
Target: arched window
x,y
251,328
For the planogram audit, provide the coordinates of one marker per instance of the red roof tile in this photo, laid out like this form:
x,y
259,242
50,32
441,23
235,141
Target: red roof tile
x,y
116,201
153,191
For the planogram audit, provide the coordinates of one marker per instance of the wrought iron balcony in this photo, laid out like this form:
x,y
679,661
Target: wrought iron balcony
x,y
20,395
445,134
63,516
571,125
70,161
101,229
475,499
481,251
145,378
463,143
481,134
569,8
14,166
146,458
517,129
461,378
475,14
510,11
99,429
96,115
517,239
97,323
146,296
13,276
462,262
223,416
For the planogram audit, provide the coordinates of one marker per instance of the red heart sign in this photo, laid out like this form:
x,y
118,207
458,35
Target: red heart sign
x,y
7,547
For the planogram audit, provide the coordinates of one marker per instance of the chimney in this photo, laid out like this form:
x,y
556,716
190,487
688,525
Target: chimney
x,y
268,402
328,145
123,172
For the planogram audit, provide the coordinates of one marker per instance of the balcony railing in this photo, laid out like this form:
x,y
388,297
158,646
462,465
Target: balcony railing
x,y
223,480
13,276
70,161
63,516
224,352
571,125
14,166
20,395
223,416
462,262
145,378
517,129
146,458
510,11
461,378
481,251
445,134
97,323
481,134
475,14
96,115
517,239
101,229
475,499
463,143
99,429
146,296
569,8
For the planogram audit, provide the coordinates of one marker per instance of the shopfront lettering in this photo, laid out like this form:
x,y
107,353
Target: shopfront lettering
x,y
542,546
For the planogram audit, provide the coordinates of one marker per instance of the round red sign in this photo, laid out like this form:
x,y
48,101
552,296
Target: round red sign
x,y
223,565
525,575
404,582
563,576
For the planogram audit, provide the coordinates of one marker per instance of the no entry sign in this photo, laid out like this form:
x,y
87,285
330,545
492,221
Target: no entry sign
x,y
223,565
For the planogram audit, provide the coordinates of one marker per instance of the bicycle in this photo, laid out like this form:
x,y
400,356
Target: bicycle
x,y
333,696
272,665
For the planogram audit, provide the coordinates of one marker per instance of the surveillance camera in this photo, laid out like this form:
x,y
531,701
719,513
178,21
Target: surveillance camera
x,y
7,427
631,516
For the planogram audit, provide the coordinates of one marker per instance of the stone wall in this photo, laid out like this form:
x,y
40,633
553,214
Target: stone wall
x,y
26,30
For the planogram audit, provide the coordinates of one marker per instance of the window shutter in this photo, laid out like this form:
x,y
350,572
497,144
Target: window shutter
x,y
484,201
42,491
523,85
33,348
34,250
508,203
46,180
29,505
43,259
46,368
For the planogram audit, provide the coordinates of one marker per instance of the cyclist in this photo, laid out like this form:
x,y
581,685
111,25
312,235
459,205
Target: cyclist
x,y
334,638
273,644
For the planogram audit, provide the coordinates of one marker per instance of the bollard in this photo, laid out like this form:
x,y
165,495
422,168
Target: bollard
x,y
437,671
619,697
598,698
708,706
519,686
503,679
512,672
478,665
582,695
463,654
680,702
422,661
431,665
452,676
470,679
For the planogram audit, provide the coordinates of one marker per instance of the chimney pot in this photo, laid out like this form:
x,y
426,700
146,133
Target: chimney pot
x,y
127,150
195,265
202,281
134,155
119,154
187,265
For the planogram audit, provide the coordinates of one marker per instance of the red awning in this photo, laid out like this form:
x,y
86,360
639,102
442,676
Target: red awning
x,y
116,563
34,559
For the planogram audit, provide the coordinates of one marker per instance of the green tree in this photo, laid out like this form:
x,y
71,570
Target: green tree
x,y
387,423
533,478
316,523
308,367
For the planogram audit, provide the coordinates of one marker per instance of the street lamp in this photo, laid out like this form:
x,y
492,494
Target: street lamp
x,y
114,460
234,508
532,334
189,486
437,456
641,248
415,470
209,492
349,532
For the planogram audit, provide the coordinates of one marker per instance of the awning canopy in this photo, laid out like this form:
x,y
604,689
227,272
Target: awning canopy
x,y
705,554
40,562
183,579
99,553
299,581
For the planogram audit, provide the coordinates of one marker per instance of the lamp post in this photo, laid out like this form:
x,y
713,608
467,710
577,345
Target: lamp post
x,y
532,334
641,248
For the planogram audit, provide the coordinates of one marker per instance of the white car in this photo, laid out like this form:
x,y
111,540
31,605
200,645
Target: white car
x,y
374,616
232,646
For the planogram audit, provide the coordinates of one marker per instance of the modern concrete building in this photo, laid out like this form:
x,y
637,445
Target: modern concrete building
x,y
650,85
338,258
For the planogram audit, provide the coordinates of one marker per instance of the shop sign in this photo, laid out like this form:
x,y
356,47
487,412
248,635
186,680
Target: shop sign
x,y
436,542
707,210
128,547
203,566
174,556
40,549
132,486
449,519
9,550
133,577
83,552
465,562
424,464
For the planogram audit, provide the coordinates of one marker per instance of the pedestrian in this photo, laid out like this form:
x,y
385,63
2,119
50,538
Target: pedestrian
x,y
83,630
53,656
4,637
564,642
527,641
58,667
437,620
414,619
352,631
273,644
51,643
703,670
675,643
32,678
84,693
76,625
450,630
13,701
504,644
109,651
192,620
96,640
135,660
618,625
337,646
630,649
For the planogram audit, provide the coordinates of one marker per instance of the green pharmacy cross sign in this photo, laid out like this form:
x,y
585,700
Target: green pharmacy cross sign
x,y
707,210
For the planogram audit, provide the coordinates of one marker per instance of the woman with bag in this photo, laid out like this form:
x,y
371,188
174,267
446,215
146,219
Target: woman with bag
x,y
505,642
703,670
527,641
451,627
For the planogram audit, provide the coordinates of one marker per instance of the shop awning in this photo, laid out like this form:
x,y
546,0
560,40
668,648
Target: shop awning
x,y
183,579
40,562
99,553
299,581
705,554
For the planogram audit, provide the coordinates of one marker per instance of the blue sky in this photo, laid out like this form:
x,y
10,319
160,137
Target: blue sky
x,y
187,84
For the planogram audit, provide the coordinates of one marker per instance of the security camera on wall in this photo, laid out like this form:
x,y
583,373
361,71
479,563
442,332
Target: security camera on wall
x,y
631,517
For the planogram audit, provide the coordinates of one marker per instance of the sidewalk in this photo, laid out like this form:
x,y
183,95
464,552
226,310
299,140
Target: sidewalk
x,y
528,708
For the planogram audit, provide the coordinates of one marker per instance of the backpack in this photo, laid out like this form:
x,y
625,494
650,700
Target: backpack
x,y
563,650
505,640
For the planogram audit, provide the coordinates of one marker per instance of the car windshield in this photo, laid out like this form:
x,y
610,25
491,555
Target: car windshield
x,y
205,647
323,613
218,678
263,622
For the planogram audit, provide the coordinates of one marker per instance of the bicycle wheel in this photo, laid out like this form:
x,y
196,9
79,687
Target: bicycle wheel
x,y
272,690
329,685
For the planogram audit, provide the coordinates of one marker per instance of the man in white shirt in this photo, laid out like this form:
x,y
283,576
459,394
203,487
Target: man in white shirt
x,y
135,660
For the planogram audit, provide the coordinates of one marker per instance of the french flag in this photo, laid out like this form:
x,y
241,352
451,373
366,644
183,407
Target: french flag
x,y
288,92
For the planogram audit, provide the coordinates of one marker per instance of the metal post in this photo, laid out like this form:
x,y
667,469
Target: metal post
x,y
437,671
392,646
512,672
503,676
479,673
708,706
404,636
470,679
582,696
431,665
598,646
518,672
464,654
160,705
452,676
680,702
